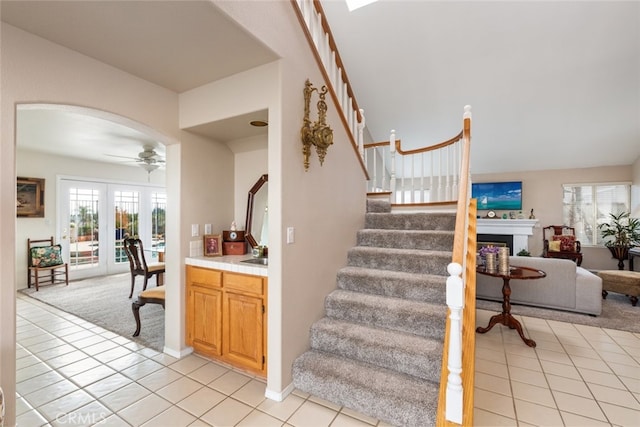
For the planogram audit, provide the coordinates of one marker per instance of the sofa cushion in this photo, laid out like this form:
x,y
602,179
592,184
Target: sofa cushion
x,y
567,242
554,246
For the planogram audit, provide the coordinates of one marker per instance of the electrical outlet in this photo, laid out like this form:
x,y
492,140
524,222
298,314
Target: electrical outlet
x,y
207,229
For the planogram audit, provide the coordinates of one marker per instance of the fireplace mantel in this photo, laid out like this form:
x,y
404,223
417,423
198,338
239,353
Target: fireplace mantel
x,y
520,229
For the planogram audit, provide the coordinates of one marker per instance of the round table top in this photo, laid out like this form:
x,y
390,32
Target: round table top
x,y
515,272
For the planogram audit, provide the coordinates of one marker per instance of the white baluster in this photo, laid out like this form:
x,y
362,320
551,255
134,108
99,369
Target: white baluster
x,y
392,178
345,96
449,159
455,301
375,167
413,177
401,159
456,168
440,182
422,192
360,140
432,189
383,183
317,29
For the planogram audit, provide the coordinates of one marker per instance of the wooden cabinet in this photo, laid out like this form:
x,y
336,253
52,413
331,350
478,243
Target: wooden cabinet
x,y
226,317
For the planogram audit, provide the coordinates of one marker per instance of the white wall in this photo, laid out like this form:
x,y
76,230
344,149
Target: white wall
x,y
542,192
635,189
325,205
33,70
249,167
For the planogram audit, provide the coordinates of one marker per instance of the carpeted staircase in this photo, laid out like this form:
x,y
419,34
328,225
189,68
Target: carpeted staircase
x,y
379,348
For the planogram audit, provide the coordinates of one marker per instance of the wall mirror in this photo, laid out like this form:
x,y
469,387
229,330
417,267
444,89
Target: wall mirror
x,y
257,223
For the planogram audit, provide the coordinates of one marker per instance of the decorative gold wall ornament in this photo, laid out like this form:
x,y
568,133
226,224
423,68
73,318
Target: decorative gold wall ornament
x,y
318,134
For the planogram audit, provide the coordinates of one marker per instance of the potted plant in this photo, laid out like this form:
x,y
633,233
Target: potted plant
x,y
621,233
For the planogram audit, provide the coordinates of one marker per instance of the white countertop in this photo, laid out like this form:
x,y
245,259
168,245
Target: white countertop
x,y
229,263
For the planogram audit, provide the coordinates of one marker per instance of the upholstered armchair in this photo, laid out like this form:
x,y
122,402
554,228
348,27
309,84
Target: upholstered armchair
x,y
560,242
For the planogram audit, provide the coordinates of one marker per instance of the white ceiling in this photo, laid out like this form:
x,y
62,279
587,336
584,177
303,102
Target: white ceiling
x,y
552,84
148,39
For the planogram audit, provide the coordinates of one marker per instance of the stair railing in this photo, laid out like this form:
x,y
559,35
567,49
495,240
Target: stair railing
x,y
417,176
318,33
455,405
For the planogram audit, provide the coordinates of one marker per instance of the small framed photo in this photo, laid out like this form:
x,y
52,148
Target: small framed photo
x,y
212,245
30,197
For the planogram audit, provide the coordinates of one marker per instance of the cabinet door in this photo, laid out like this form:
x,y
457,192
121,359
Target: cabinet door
x,y
204,320
243,342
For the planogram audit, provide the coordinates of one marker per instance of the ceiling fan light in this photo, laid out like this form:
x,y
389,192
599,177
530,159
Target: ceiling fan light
x,y
149,167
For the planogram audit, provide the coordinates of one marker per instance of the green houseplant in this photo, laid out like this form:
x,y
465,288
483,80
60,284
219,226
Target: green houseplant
x,y
621,233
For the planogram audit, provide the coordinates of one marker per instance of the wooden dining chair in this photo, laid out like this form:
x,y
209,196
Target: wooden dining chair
x,y
150,296
45,264
138,264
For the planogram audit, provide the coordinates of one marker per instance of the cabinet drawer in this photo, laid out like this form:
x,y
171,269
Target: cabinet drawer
x,y
244,283
203,276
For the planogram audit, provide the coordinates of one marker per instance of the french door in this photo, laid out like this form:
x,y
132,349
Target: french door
x,y
95,217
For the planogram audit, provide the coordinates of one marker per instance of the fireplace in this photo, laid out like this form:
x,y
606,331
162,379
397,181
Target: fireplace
x,y
496,240
517,231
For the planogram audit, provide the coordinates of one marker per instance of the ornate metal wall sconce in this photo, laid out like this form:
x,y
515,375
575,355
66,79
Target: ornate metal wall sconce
x,y
318,134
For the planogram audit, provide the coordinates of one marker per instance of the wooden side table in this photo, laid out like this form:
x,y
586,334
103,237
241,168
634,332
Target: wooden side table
x,y
505,318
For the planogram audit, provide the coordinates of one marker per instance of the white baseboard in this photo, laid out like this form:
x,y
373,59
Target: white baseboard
x,y
279,396
178,354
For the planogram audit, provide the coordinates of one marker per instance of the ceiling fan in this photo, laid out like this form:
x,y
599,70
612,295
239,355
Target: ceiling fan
x,y
148,159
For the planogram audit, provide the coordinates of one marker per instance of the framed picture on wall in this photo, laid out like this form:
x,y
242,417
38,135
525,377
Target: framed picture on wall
x,y
212,245
30,197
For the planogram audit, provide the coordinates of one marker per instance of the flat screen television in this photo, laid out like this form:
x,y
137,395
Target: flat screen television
x,y
498,195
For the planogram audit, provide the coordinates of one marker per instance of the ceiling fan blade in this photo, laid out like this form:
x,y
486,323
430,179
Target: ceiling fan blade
x,y
123,157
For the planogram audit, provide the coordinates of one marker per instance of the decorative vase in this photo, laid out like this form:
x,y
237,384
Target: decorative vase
x,y
620,253
490,261
503,260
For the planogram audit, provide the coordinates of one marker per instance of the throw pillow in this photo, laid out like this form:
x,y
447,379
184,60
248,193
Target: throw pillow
x,y
46,256
567,242
554,246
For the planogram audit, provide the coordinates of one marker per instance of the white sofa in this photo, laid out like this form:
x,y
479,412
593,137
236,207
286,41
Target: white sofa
x,y
566,287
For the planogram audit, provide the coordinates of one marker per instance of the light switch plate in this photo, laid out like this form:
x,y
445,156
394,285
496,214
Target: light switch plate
x,y
195,230
291,235
207,229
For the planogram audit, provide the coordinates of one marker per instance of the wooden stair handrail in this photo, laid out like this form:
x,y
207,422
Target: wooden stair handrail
x,y
464,253
426,149
327,78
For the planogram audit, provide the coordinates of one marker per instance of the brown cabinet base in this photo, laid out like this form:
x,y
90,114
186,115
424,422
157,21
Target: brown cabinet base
x,y
226,317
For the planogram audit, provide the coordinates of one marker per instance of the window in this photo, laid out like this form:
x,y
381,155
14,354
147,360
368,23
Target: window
x,y
585,206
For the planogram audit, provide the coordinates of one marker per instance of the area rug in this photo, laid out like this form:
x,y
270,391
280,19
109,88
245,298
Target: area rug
x,y
617,313
105,302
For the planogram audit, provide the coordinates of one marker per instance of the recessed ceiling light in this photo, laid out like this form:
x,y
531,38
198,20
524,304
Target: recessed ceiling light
x,y
258,123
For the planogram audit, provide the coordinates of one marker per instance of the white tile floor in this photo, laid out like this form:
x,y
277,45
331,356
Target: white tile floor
x,y
576,375
71,372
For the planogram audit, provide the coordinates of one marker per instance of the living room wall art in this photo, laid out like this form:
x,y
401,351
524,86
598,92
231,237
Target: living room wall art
x,y
30,197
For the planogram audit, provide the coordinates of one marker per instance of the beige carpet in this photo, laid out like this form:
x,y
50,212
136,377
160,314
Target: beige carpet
x,y
105,301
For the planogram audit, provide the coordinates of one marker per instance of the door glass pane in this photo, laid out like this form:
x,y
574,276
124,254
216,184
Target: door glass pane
x,y
158,209
127,207
83,226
